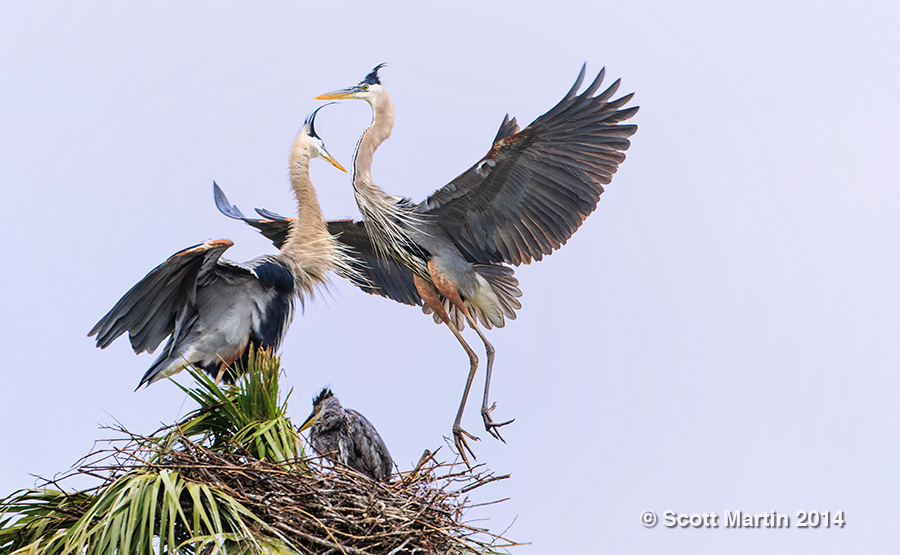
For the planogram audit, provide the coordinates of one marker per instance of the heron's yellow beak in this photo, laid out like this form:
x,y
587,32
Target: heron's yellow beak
x,y
312,416
331,159
350,92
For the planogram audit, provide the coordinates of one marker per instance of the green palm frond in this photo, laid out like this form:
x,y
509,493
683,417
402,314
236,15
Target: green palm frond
x,y
230,477
143,512
44,517
249,416
145,506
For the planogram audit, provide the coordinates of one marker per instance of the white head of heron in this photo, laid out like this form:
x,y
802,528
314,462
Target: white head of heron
x,y
313,142
369,89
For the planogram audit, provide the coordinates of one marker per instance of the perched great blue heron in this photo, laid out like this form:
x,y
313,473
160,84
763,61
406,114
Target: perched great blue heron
x,y
521,201
345,436
213,309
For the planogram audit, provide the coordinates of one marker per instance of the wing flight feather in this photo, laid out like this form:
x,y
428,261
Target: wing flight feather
x,y
155,307
535,187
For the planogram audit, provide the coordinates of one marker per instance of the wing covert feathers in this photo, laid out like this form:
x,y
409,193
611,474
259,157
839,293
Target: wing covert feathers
x,y
151,310
536,186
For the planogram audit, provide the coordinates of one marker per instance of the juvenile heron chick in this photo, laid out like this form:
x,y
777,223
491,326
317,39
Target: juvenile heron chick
x,y
345,436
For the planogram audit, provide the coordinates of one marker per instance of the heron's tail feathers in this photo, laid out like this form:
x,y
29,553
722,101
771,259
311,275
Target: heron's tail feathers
x,y
155,372
505,287
169,362
500,299
456,316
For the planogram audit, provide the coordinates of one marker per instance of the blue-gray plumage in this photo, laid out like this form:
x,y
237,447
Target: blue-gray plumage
x,y
374,275
210,308
214,310
345,436
521,201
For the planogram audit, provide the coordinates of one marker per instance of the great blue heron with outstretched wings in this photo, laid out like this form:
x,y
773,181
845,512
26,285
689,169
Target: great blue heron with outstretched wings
x,y
521,201
213,310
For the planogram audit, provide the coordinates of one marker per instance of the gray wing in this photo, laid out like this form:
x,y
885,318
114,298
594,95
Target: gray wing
x,y
370,448
382,277
275,228
159,304
536,186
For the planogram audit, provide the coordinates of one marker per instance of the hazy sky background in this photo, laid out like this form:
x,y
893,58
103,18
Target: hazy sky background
x,y
721,334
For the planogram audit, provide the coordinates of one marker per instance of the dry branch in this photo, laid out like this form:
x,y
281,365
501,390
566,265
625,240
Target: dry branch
x,y
318,508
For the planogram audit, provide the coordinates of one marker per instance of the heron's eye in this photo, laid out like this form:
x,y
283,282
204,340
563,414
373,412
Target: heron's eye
x,y
366,87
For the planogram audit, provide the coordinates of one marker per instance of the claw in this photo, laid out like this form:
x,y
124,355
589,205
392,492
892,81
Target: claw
x,y
459,438
490,425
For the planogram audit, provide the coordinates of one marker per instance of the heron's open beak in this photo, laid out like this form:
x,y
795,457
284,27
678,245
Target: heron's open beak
x,y
331,159
309,421
350,92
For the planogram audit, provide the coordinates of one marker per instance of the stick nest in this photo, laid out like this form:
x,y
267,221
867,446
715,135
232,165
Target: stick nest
x,y
231,477
317,508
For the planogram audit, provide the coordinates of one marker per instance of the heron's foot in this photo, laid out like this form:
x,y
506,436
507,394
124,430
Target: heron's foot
x,y
459,438
490,425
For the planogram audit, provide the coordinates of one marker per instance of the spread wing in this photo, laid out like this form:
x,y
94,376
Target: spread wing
x,y
536,186
383,277
159,304
275,228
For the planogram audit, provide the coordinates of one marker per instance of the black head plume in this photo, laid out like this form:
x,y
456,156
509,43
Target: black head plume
x,y
311,120
372,77
324,394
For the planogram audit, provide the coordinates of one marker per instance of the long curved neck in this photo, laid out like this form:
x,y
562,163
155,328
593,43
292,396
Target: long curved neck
x,y
391,224
309,223
378,132
310,251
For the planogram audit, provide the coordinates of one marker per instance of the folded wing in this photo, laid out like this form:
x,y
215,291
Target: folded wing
x,y
371,453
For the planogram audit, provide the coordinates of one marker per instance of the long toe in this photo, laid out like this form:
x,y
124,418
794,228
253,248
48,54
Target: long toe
x,y
459,438
491,426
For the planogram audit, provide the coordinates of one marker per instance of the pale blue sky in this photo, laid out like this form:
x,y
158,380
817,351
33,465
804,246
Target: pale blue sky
x,y
720,334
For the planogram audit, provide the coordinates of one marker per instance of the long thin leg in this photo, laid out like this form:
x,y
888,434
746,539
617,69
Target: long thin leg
x,y
226,362
486,411
222,368
431,297
460,435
